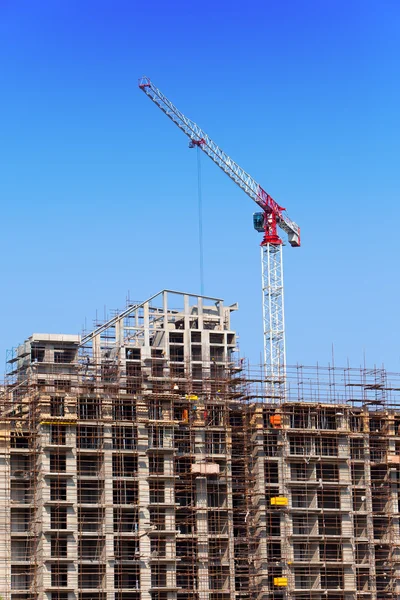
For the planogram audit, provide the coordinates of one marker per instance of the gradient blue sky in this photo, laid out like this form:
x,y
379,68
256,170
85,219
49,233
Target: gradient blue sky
x,y
99,189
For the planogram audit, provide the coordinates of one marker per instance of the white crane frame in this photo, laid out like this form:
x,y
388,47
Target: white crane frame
x,y
273,320
271,248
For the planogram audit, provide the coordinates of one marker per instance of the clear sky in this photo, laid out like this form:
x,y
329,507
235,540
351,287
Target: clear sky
x,y
99,190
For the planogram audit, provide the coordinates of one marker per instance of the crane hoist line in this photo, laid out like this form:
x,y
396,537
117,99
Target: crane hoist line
x,y
267,222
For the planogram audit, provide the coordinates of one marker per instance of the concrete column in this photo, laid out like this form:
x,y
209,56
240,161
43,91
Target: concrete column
x,y
144,514
202,538
259,507
368,502
5,519
108,512
346,500
228,479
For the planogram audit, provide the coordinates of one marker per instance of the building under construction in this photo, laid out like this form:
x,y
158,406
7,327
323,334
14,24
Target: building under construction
x,y
145,461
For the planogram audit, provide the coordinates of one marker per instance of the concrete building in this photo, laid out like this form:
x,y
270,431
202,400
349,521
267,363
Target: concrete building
x,y
140,461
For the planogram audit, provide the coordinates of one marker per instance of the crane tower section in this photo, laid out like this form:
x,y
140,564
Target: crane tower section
x,y
267,222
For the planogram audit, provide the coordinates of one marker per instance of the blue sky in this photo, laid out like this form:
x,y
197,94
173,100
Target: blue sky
x,y
99,189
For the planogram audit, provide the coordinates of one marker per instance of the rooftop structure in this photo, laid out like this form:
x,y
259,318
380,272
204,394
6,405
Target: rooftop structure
x,y
145,461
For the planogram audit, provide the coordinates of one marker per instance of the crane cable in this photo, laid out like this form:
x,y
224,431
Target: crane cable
x,y
200,218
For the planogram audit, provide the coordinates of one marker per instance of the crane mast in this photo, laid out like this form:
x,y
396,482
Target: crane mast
x,y
267,222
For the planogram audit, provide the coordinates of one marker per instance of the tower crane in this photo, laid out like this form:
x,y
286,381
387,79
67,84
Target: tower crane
x,y
267,221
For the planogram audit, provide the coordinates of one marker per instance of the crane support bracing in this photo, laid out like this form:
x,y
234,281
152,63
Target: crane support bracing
x,y
273,216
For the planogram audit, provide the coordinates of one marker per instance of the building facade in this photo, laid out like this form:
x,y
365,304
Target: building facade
x,y
141,461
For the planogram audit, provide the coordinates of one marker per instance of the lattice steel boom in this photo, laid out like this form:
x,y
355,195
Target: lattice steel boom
x,y
273,215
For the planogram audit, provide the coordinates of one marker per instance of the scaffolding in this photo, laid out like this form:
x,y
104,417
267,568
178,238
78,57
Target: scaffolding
x,y
145,461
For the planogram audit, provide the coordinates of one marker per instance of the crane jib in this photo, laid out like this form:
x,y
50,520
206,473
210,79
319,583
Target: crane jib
x,y
272,216
200,139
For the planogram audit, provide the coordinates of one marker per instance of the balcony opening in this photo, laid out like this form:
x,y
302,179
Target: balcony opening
x,y
126,520
90,519
124,438
90,492
157,492
58,517
58,489
59,575
59,547
125,492
127,577
58,435
58,462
